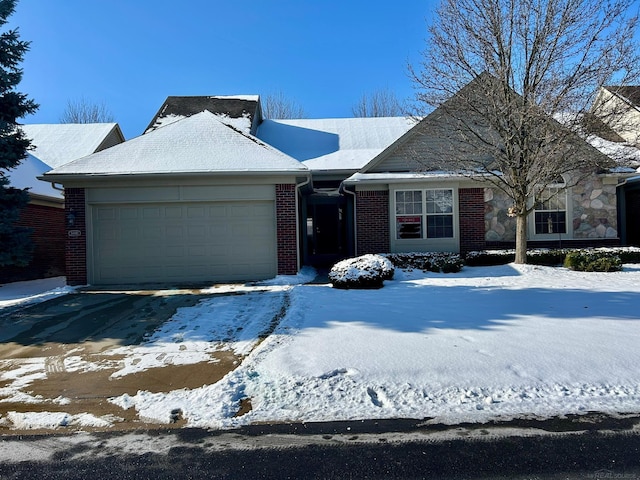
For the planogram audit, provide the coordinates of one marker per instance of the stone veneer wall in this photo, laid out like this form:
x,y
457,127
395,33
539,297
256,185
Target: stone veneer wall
x,y
498,226
595,209
594,214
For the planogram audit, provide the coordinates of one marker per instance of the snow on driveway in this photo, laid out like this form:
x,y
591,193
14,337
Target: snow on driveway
x,y
485,343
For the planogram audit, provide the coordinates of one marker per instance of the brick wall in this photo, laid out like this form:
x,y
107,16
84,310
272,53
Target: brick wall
x,y
286,229
76,241
472,229
372,222
48,236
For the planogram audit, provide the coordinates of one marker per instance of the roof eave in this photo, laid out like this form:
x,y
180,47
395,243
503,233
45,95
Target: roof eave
x,y
409,178
66,177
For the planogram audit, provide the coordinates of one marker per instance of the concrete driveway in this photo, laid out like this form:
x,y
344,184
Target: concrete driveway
x,y
36,340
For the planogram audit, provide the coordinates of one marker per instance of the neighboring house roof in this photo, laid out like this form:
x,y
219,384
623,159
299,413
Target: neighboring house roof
x,y
243,111
57,144
334,144
25,176
630,93
603,138
624,154
201,143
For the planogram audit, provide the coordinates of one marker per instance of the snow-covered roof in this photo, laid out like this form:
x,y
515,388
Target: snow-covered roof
x,y
24,176
57,144
334,144
604,139
201,143
626,156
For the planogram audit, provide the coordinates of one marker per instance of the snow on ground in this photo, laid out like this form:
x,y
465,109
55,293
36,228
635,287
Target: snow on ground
x,y
192,335
485,343
32,291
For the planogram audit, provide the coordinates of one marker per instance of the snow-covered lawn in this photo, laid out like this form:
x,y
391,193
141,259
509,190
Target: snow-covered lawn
x,y
485,343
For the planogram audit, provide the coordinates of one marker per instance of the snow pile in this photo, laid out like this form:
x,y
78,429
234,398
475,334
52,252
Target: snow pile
x,y
305,275
367,271
53,420
32,291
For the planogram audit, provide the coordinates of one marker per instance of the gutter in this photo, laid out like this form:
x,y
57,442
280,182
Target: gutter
x,y
298,226
342,189
627,180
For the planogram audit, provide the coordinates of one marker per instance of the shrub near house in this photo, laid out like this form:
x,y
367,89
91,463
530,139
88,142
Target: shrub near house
x,y
593,261
367,271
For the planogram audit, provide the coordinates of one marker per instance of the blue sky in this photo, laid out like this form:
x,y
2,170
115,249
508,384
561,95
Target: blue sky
x,y
132,54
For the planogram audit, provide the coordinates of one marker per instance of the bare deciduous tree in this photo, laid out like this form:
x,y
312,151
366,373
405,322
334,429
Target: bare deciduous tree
x,y
533,61
84,111
277,105
381,103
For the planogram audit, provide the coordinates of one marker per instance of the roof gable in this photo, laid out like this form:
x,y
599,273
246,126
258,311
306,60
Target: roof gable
x,y
438,136
202,143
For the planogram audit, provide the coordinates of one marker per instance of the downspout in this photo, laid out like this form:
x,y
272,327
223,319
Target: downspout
x,y
60,189
621,211
342,189
298,226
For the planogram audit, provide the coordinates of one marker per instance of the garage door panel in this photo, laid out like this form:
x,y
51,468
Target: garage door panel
x,y
196,212
127,213
197,231
173,212
200,242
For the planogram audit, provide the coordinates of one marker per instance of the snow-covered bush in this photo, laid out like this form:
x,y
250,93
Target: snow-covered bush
x,y
427,261
367,271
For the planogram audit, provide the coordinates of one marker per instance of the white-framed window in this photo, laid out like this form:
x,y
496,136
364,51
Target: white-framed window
x,y
550,213
426,213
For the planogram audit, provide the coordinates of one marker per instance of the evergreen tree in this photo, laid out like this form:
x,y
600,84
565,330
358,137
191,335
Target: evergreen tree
x,y
15,242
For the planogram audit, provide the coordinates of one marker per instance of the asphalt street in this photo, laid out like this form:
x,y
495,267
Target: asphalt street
x,y
589,448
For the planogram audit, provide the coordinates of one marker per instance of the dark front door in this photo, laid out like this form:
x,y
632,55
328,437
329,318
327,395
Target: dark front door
x,y
327,235
633,217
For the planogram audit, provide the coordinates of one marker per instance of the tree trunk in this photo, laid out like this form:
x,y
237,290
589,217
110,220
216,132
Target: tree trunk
x,y
521,239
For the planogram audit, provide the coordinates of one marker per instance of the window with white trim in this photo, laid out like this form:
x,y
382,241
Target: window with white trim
x,y
424,214
550,214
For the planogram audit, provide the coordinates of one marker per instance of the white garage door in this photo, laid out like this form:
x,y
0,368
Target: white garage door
x,y
183,242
